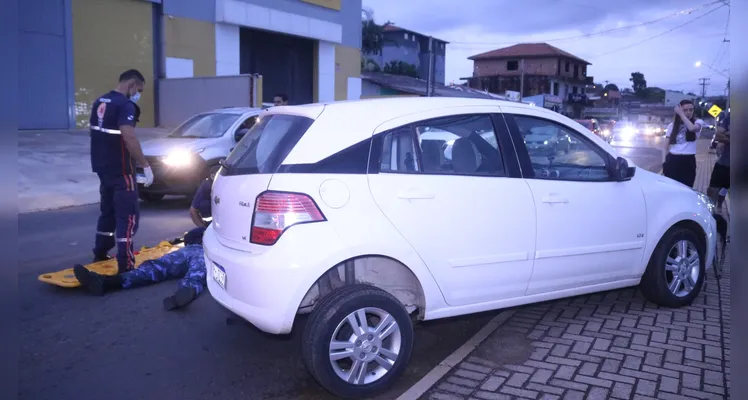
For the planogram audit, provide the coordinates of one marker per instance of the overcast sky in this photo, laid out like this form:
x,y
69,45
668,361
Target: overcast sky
x,y
667,61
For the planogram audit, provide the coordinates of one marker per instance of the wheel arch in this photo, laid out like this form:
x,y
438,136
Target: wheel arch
x,y
381,271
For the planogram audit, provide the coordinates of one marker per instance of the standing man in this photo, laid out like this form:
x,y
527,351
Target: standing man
x,y
115,152
719,183
280,100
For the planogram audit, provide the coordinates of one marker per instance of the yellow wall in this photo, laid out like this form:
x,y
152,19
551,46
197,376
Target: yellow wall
x,y
333,4
347,65
110,37
192,39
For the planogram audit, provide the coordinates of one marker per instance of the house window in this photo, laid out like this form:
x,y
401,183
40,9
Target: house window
x,y
576,71
512,65
574,90
555,88
406,35
413,37
567,67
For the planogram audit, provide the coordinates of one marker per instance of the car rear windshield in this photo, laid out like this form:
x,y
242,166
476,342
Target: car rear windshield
x,y
266,145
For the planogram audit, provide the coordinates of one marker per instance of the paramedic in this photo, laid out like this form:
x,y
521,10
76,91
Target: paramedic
x,y
115,152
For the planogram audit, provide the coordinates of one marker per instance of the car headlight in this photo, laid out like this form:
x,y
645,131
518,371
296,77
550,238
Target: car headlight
x,y
545,142
181,158
707,201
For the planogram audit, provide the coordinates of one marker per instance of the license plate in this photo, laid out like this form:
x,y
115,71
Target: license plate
x,y
219,275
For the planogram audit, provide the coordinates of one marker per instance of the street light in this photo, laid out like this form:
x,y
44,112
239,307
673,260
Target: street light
x,y
698,64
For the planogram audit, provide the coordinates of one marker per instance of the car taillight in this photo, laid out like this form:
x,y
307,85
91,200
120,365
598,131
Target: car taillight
x,y
277,211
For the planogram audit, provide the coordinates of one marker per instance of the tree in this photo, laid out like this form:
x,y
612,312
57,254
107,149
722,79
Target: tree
x,y
398,67
652,94
611,86
372,34
638,82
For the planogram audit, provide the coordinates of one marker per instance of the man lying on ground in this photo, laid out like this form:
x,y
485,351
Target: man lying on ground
x,y
187,264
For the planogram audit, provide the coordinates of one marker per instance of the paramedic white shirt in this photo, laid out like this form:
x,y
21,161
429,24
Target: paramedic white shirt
x,y
681,146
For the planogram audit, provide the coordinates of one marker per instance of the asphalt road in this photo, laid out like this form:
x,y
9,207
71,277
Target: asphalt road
x,y
125,346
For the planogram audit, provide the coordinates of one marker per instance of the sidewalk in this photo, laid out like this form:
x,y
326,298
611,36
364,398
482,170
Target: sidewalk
x,y
606,345
55,169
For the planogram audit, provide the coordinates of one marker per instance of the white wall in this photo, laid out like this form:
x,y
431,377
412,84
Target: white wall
x,y
227,49
238,12
326,71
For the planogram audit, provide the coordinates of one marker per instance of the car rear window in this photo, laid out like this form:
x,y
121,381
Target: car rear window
x,y
266,145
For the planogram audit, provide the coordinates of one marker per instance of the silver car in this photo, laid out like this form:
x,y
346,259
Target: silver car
x,y
194,150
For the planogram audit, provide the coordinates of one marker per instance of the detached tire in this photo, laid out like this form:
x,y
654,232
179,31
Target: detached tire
x,y
354,360
676,272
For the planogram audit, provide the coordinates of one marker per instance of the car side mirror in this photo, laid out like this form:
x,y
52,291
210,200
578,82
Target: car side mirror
x,y
240,134
622,171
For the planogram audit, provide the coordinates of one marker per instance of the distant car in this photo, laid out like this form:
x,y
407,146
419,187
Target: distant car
x,y
194,150
594,126
371,215
651,129
546,141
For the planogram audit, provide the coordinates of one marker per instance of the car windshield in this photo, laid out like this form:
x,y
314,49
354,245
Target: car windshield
x,y
209,125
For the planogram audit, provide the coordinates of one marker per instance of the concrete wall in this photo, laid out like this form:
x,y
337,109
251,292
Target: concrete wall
x,y
109,37
44,57
189,46
178,99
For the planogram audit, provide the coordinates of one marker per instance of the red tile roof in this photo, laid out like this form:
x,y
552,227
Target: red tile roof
x,y
526,50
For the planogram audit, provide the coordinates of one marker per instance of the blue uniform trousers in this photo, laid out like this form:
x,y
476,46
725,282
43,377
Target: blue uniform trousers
x,y
187,263
119,219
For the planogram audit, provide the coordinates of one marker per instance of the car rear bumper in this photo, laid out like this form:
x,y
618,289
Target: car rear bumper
x,y
266,287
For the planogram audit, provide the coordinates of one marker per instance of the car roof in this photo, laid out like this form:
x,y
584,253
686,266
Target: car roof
x,y
234,110
390,107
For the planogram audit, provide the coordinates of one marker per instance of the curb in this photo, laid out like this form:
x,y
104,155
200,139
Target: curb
x,y
444,367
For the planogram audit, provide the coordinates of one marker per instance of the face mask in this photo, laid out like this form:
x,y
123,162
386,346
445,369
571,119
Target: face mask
x,y
134,98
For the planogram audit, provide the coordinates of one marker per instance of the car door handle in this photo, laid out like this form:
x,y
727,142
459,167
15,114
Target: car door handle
x,y
414,195
550,199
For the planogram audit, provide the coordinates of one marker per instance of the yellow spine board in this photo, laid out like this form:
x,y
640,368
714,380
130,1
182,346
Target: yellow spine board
x,y
66,277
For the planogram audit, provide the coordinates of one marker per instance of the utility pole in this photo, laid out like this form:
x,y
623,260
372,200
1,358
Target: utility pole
x,y
521,79
704,82
430,80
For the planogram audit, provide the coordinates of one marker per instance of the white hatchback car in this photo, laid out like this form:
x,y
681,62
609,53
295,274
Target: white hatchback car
x,y
365,213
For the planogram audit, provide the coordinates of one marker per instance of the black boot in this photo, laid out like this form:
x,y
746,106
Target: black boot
x,y
181,298
96,283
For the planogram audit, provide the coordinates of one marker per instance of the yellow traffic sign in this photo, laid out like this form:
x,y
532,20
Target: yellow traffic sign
x,y
714,111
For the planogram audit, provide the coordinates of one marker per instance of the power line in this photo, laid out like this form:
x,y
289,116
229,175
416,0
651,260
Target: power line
x,y
625,27
658,35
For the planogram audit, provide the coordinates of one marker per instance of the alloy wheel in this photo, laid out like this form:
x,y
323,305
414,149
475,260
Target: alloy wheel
x,y
682,268
365,346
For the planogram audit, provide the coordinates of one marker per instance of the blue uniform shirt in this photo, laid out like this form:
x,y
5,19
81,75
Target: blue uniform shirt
x,y
109,155
201,201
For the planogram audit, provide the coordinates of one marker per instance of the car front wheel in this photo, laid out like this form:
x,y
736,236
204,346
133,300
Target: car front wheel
x,y
357,341
676,271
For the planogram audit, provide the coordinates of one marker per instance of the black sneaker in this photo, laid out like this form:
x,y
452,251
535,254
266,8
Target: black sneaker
x,y
89,280
181,298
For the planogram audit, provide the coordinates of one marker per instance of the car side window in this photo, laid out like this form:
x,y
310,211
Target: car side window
x,y
455,145
558,152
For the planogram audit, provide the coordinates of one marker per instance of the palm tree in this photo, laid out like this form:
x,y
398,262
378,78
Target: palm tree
x,y
372,34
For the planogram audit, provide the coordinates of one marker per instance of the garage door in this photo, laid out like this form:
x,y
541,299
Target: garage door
x,y
285,62
42,76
